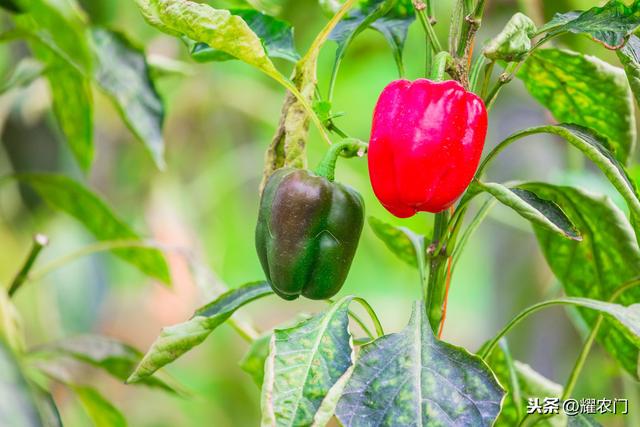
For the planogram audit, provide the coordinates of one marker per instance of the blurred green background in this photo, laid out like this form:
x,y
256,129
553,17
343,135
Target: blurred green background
x,y
220,119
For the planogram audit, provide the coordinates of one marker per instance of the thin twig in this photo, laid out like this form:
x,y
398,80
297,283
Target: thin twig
x,y
39,242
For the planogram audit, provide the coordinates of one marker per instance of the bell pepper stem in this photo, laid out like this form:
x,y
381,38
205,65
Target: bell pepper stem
x,y
440,64
346,148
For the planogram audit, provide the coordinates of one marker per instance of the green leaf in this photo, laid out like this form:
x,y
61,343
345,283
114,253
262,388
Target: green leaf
x,y
521,383
514,41
26,72
583,90
10,324
629,55
307,369
60,34
99,409
253,361
69,196
412,378
598,149
607,257
391,18
608,25
215,27
123,73
176,340
276,36
527,204
61,26
112,356
18,407
408,246
73,106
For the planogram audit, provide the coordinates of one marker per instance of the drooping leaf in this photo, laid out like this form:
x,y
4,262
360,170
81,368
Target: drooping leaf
x,y
307,369
609,24
123,74
26,72
531,207
594,268
253,361
112,356
18,407
629,55
404,243
276,36
69,196
60,42
217,28
99,409
598,149
514,41
391,18
176,340
583,90
411,378
73,106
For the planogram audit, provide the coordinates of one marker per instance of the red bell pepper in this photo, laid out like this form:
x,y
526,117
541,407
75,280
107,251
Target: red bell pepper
x,y
426,141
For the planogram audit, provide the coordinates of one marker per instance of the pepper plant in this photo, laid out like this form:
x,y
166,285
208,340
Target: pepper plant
x,y
425,154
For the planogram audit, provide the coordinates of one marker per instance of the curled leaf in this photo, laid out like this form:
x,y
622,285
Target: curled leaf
x,y
514,41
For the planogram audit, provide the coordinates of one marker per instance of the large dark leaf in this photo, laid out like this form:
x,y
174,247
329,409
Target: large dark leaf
x,y
78,201
594,268
609,24
307,369
584,90
176,340
412,378
276,36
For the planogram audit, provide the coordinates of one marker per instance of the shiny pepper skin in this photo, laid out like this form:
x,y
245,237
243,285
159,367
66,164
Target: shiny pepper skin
x,y
307,233
426,142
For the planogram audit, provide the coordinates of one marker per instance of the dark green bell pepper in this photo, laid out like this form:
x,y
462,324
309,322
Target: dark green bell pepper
x,y
308,231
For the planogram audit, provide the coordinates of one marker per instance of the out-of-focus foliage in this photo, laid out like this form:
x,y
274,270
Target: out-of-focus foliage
x,y
219,122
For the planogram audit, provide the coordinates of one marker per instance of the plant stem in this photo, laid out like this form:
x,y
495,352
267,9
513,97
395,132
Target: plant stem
x,y
244,330
372,314
439,66
432,38
39,242
347,148
470,25
582,357
532,309
436,287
